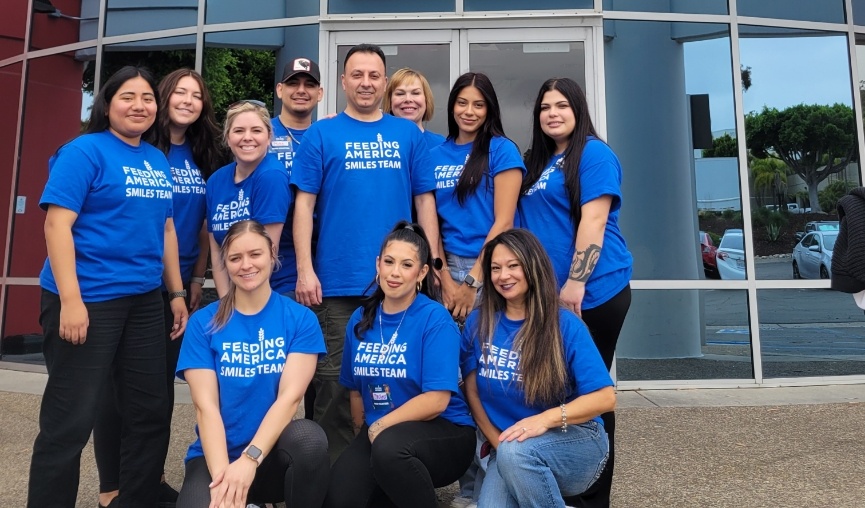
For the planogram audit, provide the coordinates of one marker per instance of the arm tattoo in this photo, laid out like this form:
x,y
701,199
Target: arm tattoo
x,y
584,263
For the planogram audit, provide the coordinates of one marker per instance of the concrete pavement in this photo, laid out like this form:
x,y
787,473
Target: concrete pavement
x,y
746,447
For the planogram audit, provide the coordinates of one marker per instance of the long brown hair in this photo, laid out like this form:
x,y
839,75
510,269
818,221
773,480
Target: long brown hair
x,y
203,135
539,340
226,304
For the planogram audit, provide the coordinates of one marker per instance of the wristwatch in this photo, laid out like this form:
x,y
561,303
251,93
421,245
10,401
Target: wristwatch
x,y
177,294
438,263
253,453
472,282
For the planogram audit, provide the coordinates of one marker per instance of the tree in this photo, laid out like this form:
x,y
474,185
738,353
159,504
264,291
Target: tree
x,y
769,177
723,146
814,141
833,192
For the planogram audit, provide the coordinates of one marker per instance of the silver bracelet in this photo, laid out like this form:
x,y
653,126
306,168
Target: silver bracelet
x,y
564,419
197,280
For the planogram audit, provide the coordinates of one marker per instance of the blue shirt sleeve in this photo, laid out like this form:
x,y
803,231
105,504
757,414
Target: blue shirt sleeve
x,y
600,174
468,358
195,352
585,364
346,372
307,334
70,175
505,156
441,358
271,197
422,174
306,169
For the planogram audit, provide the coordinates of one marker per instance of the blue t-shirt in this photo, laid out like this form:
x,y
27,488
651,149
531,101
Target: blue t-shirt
x,y
365,175
122,195
498,377
263,196
545,211
283,146
464,227
190,204
423,357
433,139
248,356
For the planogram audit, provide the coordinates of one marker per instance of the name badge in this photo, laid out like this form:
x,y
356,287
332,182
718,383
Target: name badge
x,y
380,395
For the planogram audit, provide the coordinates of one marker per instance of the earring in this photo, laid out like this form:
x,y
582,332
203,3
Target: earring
x,y
376,280
419,284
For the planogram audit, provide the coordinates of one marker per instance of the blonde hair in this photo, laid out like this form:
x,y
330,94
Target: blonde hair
x,y
246,107
401,77
226,304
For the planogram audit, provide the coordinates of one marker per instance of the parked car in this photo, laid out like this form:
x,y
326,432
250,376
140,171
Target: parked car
x,y
730,257
794,208
708,249
812,256
818,225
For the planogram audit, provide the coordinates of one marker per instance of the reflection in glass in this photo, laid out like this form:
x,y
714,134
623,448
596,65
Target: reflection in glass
x,y
63,22
801,136
858,12
373,6
232,11
160,56
517,70
57,100
829,11
431,60
10,94
683,6
672,122
12,26
517,5
22,335
701,334
810,332
125,17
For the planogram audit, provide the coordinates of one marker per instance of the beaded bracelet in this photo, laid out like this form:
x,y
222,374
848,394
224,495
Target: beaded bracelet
x,y
564,419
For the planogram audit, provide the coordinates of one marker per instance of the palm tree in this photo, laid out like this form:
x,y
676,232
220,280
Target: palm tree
x,y
769,177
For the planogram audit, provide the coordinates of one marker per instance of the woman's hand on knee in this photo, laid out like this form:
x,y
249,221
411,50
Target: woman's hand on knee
x,y
230,487
526,428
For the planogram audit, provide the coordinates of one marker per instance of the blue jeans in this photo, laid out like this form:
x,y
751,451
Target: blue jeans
x,y
459,266
540,470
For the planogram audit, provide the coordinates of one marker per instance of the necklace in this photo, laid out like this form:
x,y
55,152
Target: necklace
x,y
288,130
381,328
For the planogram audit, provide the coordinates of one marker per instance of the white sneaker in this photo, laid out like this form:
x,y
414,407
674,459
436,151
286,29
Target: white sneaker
x,y
463,502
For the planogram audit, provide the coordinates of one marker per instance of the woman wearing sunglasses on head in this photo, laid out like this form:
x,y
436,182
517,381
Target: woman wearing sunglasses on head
x,y
253,187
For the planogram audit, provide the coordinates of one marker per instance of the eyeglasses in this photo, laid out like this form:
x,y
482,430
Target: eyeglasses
x,y
247,101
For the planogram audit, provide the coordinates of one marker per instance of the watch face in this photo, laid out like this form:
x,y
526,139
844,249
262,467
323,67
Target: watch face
x,y
253,452
438,263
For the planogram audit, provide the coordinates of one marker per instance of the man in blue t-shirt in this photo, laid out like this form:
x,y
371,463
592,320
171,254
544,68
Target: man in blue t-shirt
x,y
358,173
300,92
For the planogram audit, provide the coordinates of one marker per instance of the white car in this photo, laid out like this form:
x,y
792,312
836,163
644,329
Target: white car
x,y
731,255
812,256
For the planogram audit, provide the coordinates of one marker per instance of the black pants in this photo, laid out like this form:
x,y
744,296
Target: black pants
x,y
403,467
108,425
605,322
296,471
126,333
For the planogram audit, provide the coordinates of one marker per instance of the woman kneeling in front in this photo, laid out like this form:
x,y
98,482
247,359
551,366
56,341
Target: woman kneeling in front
x,y
248,360
534,380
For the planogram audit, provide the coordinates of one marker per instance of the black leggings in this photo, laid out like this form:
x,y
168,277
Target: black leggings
x,y
296,471
403,467
106,430
604,323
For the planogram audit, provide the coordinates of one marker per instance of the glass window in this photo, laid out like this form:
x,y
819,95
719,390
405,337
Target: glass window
x,y
829,11
801,135
10,94
521,5
672,123
810,333
431,60
160,56
683,6
858,12
57,102
22,335
134,16
685,334
63,22
371,6
231,11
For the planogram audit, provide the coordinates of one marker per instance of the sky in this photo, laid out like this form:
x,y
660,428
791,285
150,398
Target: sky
x,y
784,72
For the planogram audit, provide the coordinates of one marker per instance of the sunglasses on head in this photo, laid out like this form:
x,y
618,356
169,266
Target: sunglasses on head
x,y
247,101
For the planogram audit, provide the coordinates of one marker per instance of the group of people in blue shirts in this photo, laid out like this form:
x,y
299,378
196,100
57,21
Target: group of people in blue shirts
x,y
439,308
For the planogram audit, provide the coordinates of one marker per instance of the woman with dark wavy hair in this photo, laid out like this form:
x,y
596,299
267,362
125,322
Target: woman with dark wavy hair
x,y
186,132
111,245
534,380
571,199
400,363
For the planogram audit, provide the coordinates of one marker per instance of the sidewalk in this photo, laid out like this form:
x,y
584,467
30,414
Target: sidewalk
x,y
747,447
